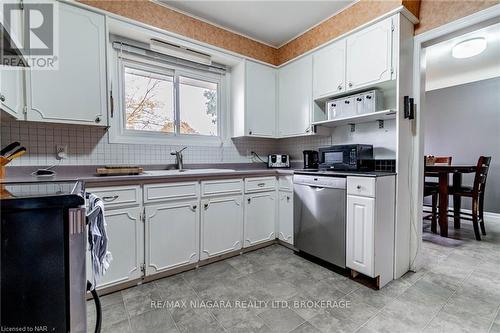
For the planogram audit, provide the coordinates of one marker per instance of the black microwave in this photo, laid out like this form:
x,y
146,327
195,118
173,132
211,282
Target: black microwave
x,y
347,157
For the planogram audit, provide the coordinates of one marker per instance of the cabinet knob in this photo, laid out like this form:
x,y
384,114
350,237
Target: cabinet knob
x,y
248,200
98,119
358,187
194,207
288,198
250,132
350,84
2,98
339,87
205,205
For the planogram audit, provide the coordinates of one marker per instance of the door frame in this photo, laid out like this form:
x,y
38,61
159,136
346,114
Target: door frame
x,y
421,42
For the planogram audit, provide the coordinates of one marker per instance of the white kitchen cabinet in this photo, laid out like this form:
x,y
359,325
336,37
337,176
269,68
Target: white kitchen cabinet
x,y
361,217
12,78
253,99
12,91
125,242
172,235
221,225
329,70
370,227
260,100
295,98
369,55
76,92
260,217
285,217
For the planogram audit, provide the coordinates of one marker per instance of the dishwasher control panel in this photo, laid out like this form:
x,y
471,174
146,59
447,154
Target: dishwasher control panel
x,y
320,181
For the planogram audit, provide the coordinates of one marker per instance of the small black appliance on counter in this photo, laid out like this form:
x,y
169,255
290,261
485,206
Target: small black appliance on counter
x,y
311,159
354,157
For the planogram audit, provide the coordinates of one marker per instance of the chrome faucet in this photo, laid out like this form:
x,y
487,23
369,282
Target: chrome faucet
x,y
178,158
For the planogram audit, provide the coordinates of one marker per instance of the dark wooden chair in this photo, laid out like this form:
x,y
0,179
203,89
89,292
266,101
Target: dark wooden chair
x,y
476,193
432,188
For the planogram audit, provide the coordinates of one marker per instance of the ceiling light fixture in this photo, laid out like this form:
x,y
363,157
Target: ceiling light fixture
x,y
469,48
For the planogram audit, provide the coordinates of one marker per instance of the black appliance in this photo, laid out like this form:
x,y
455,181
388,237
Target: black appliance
x,y
347,157
311,159
43,244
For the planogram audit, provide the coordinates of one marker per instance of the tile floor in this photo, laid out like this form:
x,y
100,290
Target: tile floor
x,y
457,290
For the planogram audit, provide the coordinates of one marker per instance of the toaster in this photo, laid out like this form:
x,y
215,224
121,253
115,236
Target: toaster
x,y
278,161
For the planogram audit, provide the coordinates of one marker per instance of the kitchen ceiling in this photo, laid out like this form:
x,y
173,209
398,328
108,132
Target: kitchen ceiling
x,y
443,70
271,22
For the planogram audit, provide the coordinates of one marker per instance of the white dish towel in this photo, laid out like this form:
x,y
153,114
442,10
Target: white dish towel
x,y
98,238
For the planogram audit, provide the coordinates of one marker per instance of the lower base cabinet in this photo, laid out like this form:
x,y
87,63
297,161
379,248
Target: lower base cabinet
x,y
360,225
260,217
370,227
221,226
126,244
172,235
285,217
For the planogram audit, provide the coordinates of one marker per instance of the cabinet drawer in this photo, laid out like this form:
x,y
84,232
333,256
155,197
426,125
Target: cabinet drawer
x,y
117,196
260,184
174,191
285,183
364,186
221,187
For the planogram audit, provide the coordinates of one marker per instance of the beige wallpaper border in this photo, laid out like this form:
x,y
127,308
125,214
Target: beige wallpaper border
x,y
431,13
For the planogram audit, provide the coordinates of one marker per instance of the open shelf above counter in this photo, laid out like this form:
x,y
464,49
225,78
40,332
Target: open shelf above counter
x,y
362,118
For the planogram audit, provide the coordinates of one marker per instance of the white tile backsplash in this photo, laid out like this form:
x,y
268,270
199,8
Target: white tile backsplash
x,y
89,145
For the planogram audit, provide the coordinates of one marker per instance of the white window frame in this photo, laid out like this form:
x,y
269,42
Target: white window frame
x,y
119,134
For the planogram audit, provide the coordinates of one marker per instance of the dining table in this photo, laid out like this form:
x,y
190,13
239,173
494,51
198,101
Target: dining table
x,y
442,172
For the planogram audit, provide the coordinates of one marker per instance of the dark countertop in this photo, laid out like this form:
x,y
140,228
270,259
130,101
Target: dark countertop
x,y
87,174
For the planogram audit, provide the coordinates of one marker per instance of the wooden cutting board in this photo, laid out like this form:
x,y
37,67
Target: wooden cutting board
x,y
119,171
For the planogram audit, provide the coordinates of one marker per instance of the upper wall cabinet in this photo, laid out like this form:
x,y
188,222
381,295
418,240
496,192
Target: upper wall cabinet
x,y
12,78
254,100
360,60
11,91
295,98
369,55
75,93
329,70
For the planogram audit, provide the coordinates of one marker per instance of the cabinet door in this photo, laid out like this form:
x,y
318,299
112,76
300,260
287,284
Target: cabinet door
x,y
329,70
172,235
295,98
221,226
12,78
360,234
260,217
369,55
11,91
75,93
260,99
285,217
125,242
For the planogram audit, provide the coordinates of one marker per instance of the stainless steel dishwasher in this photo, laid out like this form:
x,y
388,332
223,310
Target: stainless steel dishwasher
x,y
320,217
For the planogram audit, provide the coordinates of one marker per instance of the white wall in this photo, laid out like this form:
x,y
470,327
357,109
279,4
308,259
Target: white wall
x,y
464,122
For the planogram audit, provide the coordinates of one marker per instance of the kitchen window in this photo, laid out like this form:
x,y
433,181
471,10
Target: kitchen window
x,y
162,103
